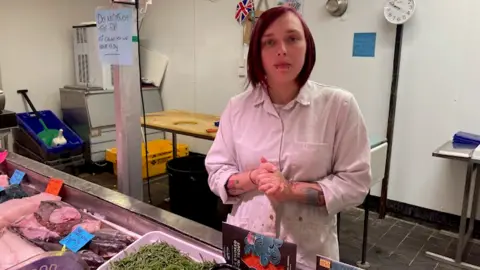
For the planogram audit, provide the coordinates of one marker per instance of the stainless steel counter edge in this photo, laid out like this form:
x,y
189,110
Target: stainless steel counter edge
x,y
184,226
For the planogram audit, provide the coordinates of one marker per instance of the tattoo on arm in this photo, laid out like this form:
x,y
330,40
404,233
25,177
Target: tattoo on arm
x,y
308,193
313,197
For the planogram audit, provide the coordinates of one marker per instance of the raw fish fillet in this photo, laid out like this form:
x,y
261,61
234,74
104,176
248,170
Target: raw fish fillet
x,y
106,248
62,218
15,250
108,242
14,209
93,260
90,226
29,228
114,235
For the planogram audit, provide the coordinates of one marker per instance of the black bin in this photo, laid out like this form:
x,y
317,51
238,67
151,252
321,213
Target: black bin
x,y
190,195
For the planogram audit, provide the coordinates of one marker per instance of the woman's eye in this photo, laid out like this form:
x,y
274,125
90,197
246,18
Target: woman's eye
x,y
292,39
269,42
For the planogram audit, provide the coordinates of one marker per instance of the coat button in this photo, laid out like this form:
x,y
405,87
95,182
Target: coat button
x,y
300,218
271,217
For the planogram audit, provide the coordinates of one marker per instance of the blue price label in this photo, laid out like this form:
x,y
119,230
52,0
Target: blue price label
x,y
77,239
2,189
17,177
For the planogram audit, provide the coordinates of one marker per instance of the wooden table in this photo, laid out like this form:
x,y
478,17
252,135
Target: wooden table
x,y
461,152
182,123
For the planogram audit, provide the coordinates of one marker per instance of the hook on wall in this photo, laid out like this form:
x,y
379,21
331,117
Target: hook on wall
x,y
336,7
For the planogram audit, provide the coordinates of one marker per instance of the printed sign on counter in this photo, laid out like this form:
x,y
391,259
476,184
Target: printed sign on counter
x,y
77,239
324,263
248,250
115,36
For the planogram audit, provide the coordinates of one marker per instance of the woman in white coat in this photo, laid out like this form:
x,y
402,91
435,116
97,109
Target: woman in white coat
x,y
289,153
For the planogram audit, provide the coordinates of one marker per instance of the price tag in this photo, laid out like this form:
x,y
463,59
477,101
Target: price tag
x,y
324,263
2,189
3,156
17,177
54,186
77,239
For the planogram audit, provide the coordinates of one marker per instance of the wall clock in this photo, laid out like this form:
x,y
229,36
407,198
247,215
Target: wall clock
x,y
399,11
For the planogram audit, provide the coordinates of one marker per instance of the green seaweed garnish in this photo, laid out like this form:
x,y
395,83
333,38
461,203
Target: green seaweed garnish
x,y
159,256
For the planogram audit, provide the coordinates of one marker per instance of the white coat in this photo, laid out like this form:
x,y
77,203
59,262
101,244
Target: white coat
x,y
318,137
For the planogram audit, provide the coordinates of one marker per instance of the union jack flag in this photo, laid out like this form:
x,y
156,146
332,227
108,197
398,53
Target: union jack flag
x,y
244,7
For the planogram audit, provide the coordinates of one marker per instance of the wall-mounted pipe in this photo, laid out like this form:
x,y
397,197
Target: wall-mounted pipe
x,y
391,117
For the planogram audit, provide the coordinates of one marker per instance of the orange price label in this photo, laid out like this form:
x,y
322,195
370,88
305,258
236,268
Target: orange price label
x,y
325,263
54,186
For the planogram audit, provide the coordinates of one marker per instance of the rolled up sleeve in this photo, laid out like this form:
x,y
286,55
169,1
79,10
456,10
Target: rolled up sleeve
x,y
350,180
220,161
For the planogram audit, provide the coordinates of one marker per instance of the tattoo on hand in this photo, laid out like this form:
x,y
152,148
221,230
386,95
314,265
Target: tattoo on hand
x,y
233,189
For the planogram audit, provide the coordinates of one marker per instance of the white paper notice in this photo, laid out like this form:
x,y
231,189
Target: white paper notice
x,y
115,36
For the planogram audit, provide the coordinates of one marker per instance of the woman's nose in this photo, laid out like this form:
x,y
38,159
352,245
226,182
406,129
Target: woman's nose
x,y
282,50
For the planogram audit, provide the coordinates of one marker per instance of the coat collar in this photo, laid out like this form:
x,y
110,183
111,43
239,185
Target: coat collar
x,y
304,97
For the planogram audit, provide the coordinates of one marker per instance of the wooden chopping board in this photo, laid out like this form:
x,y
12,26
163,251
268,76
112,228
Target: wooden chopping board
x,y
182,122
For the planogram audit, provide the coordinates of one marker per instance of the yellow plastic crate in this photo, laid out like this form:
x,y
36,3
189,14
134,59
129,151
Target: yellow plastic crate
x,y
159,152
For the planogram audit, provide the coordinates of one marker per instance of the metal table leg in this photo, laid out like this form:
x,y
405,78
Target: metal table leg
x,y
463,236
174,145
363,263
174,153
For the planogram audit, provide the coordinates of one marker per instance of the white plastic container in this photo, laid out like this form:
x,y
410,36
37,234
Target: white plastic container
x,y
195,253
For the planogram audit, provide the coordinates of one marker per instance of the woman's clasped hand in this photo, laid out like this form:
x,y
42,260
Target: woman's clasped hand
x,y
271,181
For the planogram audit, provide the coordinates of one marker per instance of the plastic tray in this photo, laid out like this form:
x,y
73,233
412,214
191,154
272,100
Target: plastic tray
x,y
195,253
22,137
32,125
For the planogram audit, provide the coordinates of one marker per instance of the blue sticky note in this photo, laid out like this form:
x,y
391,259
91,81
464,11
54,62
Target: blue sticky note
x,y
76,239
115,32
364,44
17,177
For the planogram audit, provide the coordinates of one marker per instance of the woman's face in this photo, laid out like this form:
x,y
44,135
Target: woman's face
x,y
283,49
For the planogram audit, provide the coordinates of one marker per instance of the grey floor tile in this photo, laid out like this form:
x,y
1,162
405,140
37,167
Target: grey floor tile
x,y
475,250
423,262
442,266
471,259
421,233
438,245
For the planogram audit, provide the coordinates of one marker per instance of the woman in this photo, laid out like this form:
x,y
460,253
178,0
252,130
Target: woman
x,y
289,153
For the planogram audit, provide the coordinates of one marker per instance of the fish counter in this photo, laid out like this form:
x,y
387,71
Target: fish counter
x,y
34,221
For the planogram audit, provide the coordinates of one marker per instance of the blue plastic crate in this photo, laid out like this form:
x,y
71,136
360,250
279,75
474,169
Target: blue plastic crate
x,y
33,126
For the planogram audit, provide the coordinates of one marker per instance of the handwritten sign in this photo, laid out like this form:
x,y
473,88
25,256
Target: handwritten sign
x,y
17,177
77,239
115,36
54,186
